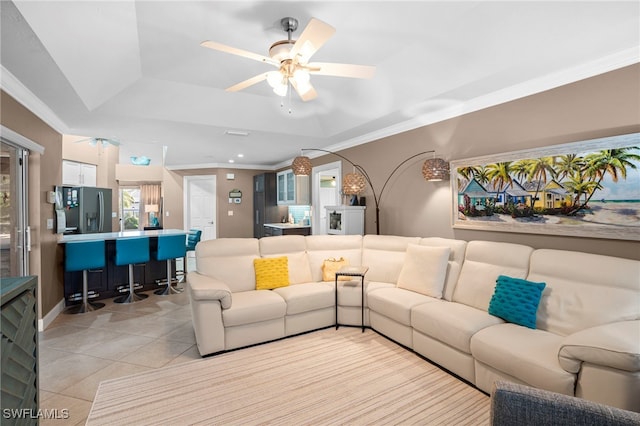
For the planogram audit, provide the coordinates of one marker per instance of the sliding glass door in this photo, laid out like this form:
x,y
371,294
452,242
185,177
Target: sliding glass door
x,y
14,229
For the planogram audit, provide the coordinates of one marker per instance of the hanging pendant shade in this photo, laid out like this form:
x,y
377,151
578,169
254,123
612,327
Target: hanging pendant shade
x,y
435,169
353,183
301,166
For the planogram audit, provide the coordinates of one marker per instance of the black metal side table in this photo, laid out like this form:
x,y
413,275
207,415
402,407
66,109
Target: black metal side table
x,y
352,271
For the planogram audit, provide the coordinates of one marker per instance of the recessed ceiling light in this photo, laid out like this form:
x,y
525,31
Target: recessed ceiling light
x,y
240,155
236,133
231,161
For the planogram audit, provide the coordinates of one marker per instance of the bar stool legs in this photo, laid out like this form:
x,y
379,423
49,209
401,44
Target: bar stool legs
x,y
86,305
170,247
129,251
132,296
169,289
82,256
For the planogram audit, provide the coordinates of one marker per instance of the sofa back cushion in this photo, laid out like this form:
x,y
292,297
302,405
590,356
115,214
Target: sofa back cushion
x,y
294,248
321,247
229,260
384,255
484,261
456,257
584,290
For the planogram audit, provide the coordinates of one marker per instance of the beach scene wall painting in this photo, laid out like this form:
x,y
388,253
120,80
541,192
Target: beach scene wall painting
x,y
584,189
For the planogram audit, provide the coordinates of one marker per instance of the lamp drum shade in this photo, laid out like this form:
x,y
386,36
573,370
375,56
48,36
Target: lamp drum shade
x,y
435,169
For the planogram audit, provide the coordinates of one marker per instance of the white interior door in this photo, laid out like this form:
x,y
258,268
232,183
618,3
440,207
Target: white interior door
x,y
327,181
200,205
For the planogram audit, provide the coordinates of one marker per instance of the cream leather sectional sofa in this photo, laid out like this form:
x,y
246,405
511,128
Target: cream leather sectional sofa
x,y
586,341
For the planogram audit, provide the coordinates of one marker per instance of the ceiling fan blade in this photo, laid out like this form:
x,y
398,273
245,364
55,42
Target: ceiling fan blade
x,y
341,70
239,52
249,82
309,95
315,34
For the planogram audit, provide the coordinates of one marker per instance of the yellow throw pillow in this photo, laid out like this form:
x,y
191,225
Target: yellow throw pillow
x,y
271,272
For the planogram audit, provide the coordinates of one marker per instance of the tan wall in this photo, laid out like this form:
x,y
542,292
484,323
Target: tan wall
x,y
604,105
238,225
45,171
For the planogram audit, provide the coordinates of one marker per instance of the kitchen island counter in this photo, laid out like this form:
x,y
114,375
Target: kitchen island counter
x,y
113,280
107,236
271,229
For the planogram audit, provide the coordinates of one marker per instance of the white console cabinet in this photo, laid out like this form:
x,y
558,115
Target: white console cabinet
x,y
345,220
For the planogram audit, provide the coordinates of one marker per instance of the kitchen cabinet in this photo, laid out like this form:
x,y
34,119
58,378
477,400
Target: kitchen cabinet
x,y
292,189
265,206
79,174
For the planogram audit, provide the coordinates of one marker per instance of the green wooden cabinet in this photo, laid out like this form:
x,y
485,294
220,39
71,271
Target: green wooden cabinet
x,y
19,327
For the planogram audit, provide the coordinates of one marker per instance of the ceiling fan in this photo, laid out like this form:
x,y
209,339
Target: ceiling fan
x,y
104,141
291,57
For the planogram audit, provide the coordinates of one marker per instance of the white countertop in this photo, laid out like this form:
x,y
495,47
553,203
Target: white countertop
x,y
114,235
286,225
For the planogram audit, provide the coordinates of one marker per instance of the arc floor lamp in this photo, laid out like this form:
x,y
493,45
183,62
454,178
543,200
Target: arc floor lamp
x,y
433,169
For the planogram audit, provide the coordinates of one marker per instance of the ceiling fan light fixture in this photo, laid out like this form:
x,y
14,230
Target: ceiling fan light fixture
x,y
281,89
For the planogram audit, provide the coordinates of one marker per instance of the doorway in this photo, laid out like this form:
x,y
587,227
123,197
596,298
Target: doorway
x,y
200,205
14,229
326,184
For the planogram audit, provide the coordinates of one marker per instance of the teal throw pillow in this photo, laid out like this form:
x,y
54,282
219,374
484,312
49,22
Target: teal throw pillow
x,y
516,300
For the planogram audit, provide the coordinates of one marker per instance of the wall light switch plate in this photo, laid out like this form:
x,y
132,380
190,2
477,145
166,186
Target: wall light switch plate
x,y
114,214
230,212
49,223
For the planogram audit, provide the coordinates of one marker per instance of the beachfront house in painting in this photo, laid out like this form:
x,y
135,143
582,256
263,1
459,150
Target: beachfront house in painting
x,y
548,195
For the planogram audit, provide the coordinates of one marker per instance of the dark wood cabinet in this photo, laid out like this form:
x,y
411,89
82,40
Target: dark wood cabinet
x,y
265,206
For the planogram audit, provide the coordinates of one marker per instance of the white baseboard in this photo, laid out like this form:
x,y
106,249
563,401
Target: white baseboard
x,y
53,313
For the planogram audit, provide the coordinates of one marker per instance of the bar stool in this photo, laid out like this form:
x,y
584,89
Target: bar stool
x,y
193,238
130,250
170,247
82,256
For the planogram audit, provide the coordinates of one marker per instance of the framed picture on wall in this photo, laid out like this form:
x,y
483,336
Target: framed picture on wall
x,y
587,188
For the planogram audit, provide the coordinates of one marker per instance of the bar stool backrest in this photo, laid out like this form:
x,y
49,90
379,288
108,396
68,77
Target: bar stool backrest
x,y
130,250
193,238
84,255
171,247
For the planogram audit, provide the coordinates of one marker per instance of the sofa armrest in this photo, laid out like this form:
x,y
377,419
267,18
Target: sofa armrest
x,y
515,404
207,288
615,345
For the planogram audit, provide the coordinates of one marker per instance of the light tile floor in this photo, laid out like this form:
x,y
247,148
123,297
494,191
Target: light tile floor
x,y
77,352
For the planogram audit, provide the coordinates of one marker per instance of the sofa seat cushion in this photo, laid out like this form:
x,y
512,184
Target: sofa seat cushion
x,y
254,306
526,354
306,297
451,323
396,303
350,293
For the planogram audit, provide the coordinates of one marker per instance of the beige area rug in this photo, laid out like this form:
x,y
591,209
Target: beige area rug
x,y
326,377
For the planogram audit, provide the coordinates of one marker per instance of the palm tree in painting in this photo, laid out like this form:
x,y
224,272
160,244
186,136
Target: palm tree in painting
x,y
536,170
613,162
500,174
480,174
568,165
579,186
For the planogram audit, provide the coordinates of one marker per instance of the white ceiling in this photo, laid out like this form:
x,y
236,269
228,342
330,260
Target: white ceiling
x,y
134,70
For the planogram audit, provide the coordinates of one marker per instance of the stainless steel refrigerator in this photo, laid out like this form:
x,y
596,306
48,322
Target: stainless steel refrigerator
x,y
83,209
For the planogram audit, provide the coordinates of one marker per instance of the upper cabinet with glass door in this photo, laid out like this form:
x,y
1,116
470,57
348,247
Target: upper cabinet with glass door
x,y
293,189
